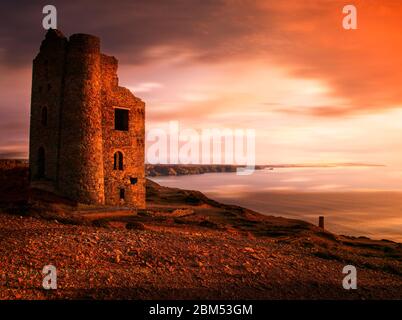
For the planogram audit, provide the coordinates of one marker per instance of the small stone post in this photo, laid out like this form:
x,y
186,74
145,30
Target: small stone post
x,y
321,222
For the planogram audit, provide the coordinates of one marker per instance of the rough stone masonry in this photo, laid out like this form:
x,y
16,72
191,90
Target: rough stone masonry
x,y
86,132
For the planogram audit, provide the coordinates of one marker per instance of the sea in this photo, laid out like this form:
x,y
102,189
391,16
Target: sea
x,y
355,200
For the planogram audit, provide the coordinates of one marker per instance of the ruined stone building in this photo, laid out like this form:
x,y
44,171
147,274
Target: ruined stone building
x,y
86,132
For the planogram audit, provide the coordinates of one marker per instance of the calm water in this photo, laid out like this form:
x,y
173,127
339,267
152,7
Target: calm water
x,y
355,201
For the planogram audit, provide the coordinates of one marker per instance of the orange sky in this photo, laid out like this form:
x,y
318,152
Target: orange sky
x,y
313,91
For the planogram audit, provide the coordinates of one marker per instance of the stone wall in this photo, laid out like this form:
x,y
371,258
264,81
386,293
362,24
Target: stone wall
x,y
130,143
79,87
81,164
47,82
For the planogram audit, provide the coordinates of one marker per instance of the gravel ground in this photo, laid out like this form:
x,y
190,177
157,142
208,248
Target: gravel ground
x,y
181,262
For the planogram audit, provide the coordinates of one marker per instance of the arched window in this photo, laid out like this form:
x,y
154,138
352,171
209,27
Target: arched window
x,y
41,162
44,116
118,161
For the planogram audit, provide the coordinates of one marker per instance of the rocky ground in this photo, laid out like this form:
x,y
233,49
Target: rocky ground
x,y
184,246
171,262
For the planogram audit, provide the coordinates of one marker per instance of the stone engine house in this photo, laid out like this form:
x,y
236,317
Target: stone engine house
x,y
86,132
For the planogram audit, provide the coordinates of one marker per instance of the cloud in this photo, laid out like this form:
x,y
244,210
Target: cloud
x,y
133,30
306,38
362,66
208,51
145,87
